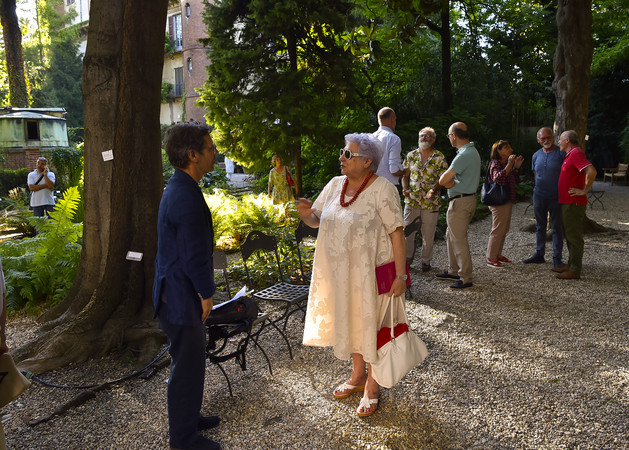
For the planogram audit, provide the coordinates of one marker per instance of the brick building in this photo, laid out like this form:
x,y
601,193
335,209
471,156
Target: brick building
x,y
185,60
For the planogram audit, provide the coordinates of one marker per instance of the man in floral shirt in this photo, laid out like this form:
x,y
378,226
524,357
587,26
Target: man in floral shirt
x,y
422,168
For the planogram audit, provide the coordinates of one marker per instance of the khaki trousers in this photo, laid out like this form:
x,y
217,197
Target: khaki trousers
x,y
500,223
428,219
459,215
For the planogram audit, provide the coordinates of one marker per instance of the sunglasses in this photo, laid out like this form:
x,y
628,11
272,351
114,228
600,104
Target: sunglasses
x,y
347,153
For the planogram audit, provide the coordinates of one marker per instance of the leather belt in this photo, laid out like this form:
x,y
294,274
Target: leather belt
x,y
460,196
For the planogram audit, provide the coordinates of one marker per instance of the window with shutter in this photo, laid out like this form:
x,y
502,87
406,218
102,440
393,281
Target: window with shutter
x,y
175,32
178,90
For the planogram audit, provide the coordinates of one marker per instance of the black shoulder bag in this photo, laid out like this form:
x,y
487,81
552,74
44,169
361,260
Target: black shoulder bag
x,y
493,194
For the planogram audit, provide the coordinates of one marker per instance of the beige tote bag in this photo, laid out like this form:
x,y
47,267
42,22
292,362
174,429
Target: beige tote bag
x,y
12,382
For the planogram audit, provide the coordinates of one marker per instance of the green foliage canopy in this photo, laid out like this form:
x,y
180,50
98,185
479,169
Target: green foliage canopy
x,y
608,123
62,81
278,74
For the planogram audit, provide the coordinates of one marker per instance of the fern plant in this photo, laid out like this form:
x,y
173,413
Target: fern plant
x,y
235,217
16,216
59,229
41,269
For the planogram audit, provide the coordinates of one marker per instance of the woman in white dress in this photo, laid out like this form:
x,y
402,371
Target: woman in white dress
x,y
360,222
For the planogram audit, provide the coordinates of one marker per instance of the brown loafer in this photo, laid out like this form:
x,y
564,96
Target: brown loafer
x,y
561,269
568,275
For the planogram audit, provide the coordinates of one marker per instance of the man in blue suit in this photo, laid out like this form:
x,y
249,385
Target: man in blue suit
x,y
184,280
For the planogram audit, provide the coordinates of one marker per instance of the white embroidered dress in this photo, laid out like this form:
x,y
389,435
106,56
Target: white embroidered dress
x,y
343,303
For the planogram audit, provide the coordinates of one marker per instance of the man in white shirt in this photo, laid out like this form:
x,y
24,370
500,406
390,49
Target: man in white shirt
x,y
41,182
391,166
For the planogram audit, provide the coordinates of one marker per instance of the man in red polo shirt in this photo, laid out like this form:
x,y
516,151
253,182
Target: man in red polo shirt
x,y
576,179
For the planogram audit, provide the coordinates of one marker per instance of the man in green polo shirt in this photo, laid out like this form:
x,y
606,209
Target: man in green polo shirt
x,y
461,179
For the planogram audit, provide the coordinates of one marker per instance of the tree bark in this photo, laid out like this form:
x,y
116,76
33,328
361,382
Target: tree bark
x,y
13,54
295,141
446,52
573,58
446,56
110,301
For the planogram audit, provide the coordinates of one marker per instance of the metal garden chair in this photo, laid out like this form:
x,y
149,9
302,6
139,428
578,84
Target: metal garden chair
x,y
230,340
293,296
302,231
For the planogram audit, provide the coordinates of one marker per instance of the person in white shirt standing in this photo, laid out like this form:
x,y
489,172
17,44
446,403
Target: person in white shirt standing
x,y
391,166
41,182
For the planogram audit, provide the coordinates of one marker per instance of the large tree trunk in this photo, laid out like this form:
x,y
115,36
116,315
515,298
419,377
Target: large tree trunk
x,y
13,54
110,301
573,58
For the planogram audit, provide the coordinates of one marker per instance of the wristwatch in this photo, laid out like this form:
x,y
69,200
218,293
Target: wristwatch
x,y
402,277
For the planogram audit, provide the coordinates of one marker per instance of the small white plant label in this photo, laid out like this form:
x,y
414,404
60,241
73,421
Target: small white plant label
x,y
108,155
134,256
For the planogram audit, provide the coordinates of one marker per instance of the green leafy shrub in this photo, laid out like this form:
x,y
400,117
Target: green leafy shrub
x,y
234,218
167,169
169,46
76,135
525,190
68,164
216,179
41,269
212,180
260,183
263,267
16,215
167,89
10,179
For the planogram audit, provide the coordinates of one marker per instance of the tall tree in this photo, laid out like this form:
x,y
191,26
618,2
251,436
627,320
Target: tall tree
x,y
278,74
110,301
442,28
62,82
13,53
402,20
57,80
573,58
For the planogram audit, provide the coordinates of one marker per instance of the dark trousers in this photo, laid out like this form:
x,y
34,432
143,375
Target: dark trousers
x,y
573,217
39,211
187,378
542,206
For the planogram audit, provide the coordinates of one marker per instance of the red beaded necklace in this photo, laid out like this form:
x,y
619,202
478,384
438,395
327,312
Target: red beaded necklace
x,y
345,204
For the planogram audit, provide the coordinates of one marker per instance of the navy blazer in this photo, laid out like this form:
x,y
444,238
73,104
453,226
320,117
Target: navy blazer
x,y
184,270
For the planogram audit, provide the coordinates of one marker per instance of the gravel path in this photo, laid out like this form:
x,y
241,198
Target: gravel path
x,y
521,360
